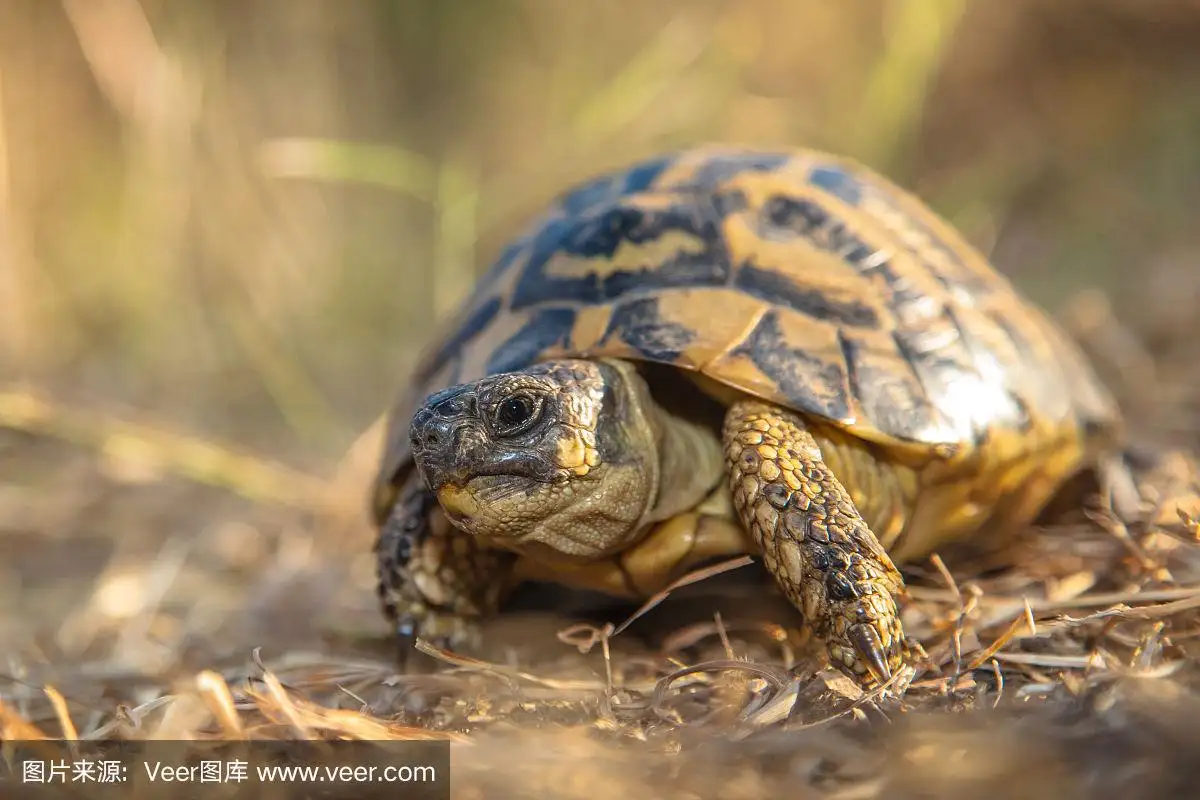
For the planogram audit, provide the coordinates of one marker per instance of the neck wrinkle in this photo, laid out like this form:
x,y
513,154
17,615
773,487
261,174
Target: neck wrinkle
x,y
690,465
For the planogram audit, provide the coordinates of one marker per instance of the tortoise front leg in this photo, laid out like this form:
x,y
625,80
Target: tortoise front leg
x,y
434,581
814,541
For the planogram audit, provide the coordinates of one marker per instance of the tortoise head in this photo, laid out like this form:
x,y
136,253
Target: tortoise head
x,y
560,458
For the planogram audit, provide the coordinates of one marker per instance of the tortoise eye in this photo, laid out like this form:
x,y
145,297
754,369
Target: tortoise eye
x,y
515,414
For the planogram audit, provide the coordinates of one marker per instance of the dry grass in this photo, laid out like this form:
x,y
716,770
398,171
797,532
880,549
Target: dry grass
x,y
242,220
1066,668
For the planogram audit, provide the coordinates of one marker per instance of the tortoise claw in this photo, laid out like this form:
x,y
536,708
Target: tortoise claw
x,y
869,648
405,630
440,629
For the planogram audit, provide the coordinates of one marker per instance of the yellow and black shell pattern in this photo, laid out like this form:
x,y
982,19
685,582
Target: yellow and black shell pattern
x,y
798,277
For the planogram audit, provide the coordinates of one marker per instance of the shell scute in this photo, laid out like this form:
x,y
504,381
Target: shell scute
x,y
790,356
607,188
639,244
802,278
891,399
640,324
706,167
542,330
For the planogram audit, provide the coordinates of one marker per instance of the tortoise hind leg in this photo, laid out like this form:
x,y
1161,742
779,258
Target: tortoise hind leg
x,y
1165,486
435,581
814,541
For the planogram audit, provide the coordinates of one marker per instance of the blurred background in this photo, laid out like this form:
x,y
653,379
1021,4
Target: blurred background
x,y
243,216
235,221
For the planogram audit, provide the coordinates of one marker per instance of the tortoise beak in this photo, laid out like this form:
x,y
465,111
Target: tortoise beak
x,y
443,438
457,501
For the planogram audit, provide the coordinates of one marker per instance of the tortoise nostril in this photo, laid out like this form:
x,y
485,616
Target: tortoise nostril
x,y
434,434
425,438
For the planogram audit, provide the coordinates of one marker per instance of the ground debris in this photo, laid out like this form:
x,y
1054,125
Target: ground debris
x,y
1064,666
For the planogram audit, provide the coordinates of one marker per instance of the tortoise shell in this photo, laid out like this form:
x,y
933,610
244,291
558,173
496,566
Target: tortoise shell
x,y
798,277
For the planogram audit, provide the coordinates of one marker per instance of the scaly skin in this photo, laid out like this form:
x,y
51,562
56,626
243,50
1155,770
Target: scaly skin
x,y
814,541
434,580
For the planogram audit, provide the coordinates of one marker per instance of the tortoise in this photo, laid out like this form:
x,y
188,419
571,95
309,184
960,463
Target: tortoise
x,y
725,351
